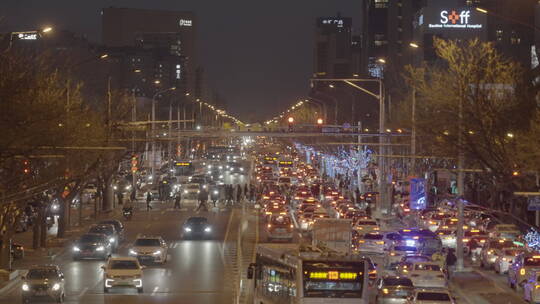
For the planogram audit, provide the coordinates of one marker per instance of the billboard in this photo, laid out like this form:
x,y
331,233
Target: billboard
x,y
417,193
454,22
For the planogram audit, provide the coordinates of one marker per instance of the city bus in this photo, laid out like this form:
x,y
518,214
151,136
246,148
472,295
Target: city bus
x,y
183,170
283,273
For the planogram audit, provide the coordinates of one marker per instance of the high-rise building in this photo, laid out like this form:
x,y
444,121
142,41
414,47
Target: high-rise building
x,y
156,49
389,32
336,50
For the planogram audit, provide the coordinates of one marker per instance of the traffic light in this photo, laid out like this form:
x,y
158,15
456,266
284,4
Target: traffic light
x,y
291,121
134,163
26,167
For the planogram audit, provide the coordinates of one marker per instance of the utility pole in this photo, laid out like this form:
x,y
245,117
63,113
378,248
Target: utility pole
x,y
461,192
360,150
413,133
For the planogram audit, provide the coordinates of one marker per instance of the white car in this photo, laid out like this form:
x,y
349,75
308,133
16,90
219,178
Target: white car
x,y
427,275
191,191
505,259
149,248
448,238
395,254
366,226
122,272
371,242
431,296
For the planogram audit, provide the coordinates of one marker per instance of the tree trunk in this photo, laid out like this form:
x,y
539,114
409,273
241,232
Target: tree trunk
x,y
43,229
62,219
107,195
36,232
5,252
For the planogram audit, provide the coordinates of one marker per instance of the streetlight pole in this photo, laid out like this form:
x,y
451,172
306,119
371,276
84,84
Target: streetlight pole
x,y
153,164
385,203
413,132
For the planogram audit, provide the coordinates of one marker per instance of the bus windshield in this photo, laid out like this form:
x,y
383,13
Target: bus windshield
x,y
333,279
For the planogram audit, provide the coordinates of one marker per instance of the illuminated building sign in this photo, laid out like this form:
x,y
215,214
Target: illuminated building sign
x,y
336,22
185,22
27,36
456,19
417,193
183,164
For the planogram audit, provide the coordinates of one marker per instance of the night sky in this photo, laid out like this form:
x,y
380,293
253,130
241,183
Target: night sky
x,y
257,53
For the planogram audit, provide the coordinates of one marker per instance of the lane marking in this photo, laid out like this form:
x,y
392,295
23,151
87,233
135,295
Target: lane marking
x,y
155,290
83,292
227,231
254,254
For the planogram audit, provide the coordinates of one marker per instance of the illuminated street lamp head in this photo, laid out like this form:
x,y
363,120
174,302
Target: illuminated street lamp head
x,y
481,10
290,119
137,70
187,93
47,29
381,60
173,88
198,127
319,121
157,81
414,45
331,86
103,56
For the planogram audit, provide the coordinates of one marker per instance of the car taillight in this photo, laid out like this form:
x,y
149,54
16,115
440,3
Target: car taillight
x,y
269,226
379,243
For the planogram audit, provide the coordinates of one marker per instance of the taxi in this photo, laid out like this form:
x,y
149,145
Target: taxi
x,y
371,242
506,258
364,226
489,251
448,237
396,253
427,275
524,264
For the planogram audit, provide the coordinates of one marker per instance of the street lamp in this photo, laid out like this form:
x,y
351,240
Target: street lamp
x,y
414,45
381,60
319,121
481,10
154,125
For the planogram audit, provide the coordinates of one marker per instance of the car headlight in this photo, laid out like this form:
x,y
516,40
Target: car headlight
x,y
55,207
56,286
209,166
112,240
216,192
157,252
100,248
132,252
207,229
241,169
221,176
187,229
115,187
198,191
128,187
220,167
25,287
76,249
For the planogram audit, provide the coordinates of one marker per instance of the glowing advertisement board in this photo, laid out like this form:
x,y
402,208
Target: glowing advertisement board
x,y
453,22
